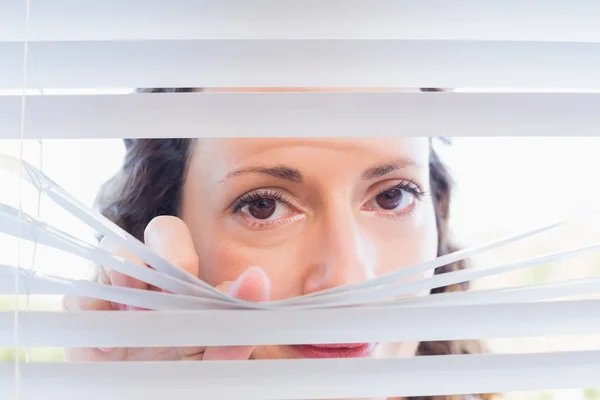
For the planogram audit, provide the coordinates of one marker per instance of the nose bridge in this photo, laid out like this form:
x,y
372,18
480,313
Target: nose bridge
x,y
344,253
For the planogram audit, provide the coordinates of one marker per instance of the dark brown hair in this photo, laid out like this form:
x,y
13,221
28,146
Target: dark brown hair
x,y
150,183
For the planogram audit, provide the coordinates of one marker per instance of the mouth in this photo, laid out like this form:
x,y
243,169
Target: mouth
x,y
345,350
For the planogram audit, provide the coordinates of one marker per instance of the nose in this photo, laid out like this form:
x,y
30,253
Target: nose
x,y
339,252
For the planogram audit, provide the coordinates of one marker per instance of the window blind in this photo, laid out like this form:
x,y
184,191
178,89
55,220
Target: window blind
x,y
382,46
263,43
300,114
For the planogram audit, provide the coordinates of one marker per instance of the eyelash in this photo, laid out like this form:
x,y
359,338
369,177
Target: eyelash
x,y
258,195
408,186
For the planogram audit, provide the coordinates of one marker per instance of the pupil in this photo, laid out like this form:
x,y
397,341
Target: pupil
x,y
262,208
390,199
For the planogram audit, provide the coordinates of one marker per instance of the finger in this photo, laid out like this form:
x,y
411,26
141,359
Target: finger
x,y
76,303
79,303
116,278
106,276
170,238
252,285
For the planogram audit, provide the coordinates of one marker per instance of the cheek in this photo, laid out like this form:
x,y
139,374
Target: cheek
x,y
225,259
226,249
405,244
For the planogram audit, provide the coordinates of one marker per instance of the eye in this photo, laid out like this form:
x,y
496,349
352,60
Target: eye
x,y
261,208
391,199
398,199
395,199
264,206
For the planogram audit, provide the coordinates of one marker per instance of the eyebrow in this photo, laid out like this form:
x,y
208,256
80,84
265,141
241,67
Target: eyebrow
x,y
295,176
380,170
277,171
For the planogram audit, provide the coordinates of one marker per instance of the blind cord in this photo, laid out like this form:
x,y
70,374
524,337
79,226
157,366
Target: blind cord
x,y
22,136
35,243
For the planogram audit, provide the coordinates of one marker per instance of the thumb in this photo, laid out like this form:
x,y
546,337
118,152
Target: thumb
x,y
252,285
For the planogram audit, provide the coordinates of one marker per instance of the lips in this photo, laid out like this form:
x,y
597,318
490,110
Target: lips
x,y
345,350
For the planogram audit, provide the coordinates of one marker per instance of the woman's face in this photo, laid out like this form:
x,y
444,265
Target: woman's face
x,y
313,213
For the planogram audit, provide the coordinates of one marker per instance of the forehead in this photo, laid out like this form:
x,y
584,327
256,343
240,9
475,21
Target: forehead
x,y
281,149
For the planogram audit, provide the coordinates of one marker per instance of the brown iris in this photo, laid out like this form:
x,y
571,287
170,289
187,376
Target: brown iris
x,y
262,208
389,199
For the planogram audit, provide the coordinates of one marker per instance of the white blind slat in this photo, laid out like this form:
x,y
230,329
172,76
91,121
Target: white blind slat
x,y
25,227
372,293
30,284
513,294
302,63
314,379
184,115
291,326
66,20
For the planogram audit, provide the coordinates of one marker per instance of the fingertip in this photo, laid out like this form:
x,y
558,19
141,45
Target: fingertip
x,y
171,238
252,285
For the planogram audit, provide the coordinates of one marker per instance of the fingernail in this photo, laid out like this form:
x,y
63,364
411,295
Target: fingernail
x,y
106,349
241,278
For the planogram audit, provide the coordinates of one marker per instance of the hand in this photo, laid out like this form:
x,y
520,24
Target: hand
x,y
170,238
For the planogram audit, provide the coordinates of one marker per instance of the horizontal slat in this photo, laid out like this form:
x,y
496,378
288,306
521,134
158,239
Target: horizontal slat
x,y
373,293
293,326
301,114
557,20
31,284
525,293
154,300
302,63
22,226
294,379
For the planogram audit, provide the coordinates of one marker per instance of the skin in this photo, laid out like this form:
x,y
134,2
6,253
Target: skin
x,y
327,228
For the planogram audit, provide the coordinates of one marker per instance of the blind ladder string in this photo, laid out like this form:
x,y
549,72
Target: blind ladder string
x,y
35,242
22,136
